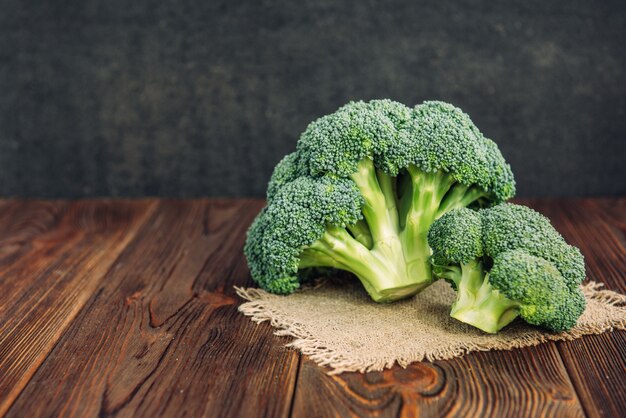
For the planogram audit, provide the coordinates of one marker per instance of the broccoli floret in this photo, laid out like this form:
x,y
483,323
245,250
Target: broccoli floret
x,y
508,261
391,171
287,170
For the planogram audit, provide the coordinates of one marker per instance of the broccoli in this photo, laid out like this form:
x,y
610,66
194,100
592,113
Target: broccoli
x,y
508,261
361,190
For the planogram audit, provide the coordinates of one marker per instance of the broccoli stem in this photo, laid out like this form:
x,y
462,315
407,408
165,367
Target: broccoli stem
x,y
387,187
478,303
420,205
460,196
379,212
383,275
381,215
361,232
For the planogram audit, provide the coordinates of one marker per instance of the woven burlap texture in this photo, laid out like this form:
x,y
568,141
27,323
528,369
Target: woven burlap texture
x,y
338,326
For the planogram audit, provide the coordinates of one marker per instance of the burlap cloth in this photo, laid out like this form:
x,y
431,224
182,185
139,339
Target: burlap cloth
x,y
338,325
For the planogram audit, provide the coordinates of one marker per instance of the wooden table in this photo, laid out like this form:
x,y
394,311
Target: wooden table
x,y
120,307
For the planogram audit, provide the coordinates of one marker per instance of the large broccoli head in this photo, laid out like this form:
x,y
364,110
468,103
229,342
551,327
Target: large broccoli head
x,y
507,261
402,167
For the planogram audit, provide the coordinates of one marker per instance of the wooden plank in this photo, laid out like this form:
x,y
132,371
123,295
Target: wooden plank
x,y
53,255
596,364
527,382
21,221
162,337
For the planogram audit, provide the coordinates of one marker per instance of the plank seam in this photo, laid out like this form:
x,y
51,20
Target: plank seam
x,y
569,377
295,385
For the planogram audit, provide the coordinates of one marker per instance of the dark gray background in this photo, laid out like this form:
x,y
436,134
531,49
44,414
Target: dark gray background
x,y
196,98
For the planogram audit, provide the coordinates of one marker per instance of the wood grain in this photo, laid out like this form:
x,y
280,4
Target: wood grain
x,y
596,364
50,266
20,222
163,334
520,383
126,308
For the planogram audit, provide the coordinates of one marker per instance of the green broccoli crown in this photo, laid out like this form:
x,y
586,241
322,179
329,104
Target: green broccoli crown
x,y
456,237
297,215
536,284
448,140
336,143
434,136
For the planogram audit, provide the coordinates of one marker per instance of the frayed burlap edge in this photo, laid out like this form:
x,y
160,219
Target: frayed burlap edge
x,y
260,309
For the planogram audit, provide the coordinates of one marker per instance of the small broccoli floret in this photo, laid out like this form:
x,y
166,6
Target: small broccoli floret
x,y
509,227
408,166
508,261
287,170
457,237
538,288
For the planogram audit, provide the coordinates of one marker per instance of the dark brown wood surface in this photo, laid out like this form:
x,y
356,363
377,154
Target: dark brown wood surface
x,y
127,308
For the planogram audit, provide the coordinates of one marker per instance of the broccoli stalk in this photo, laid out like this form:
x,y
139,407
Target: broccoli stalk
x,y
478,303
504,262
380,270
430,196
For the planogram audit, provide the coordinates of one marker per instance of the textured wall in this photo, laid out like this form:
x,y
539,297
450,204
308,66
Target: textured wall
x,y
193,98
